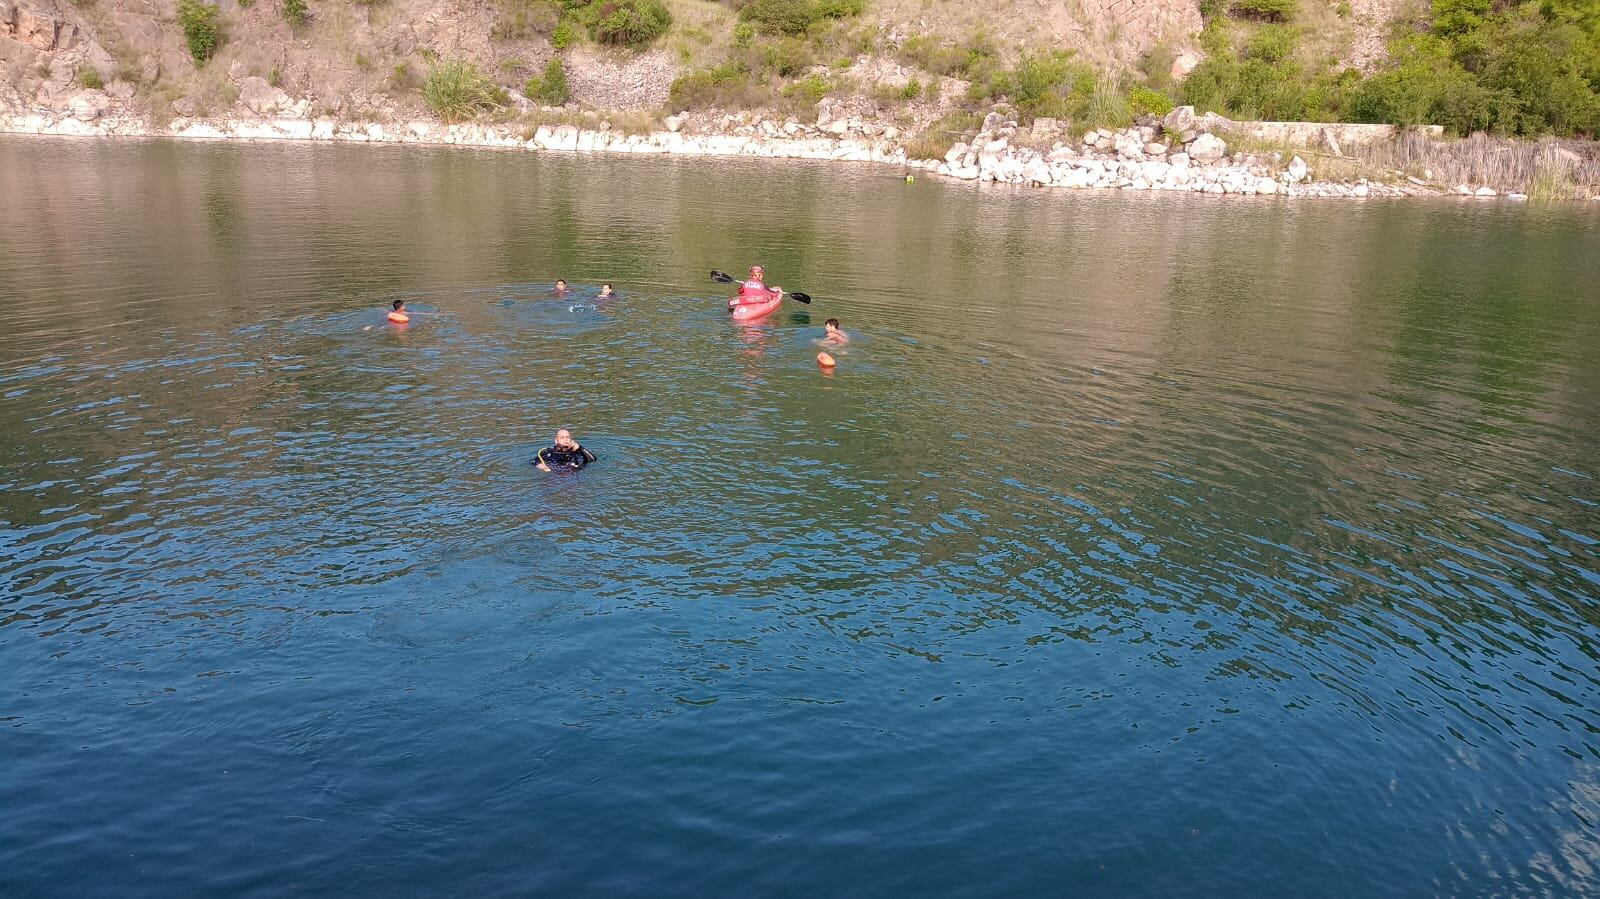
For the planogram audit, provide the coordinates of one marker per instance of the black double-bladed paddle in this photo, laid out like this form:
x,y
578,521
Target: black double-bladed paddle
x,y
729,279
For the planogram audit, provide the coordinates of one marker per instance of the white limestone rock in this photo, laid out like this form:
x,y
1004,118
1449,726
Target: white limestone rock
x,y
1207,148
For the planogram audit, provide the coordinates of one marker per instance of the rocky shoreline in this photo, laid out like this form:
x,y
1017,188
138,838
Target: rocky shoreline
x,y
1181,153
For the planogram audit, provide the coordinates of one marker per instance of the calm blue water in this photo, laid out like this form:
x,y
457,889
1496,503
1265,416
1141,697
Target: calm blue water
x,y
1138,546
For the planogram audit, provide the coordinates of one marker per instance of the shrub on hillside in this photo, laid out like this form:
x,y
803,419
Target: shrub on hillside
x,y
794,17
457,91
564,34
295,12
1266,10
201,31
1144,101
90,77
1271,43
628,23
549,89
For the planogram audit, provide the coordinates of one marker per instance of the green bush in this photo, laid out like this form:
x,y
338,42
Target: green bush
x,y
201,31
562,37
628,23
1271,43
974,60
1144,101
715,86
1266,10
549,89
809,90
780,16
457,91
295,12
89,77
795,17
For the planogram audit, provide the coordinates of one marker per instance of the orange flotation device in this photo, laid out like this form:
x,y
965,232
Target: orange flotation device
x,y
825,361
399,318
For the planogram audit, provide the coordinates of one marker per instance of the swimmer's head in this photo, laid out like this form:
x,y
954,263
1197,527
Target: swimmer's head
x,y
831,324
399,304
564,438
606,287
561,284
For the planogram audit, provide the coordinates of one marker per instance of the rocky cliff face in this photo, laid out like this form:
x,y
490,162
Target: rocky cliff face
x,y
365,60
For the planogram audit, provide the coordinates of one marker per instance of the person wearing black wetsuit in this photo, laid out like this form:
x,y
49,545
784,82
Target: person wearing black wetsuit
x,y
567,454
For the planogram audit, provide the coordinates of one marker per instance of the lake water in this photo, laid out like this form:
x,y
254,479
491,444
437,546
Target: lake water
x,y
1138,546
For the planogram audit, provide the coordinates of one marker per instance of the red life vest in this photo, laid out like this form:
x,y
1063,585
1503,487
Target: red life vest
x,y
755,289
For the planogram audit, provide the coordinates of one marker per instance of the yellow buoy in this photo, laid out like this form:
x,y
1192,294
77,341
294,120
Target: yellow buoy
x,y
825,361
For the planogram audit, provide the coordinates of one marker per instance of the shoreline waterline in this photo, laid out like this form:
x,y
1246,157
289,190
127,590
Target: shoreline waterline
x,y
1027,169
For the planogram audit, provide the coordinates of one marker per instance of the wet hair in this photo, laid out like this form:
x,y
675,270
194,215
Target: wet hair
x,y
606,284
561,282
831,321
398,304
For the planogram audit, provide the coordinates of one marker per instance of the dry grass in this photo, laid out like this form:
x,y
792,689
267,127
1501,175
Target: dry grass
x,y
701,32
1545,169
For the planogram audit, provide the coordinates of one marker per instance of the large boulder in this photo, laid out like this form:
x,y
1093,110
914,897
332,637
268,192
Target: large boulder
x,y
1297,170
1179,120
1037,171
1207,148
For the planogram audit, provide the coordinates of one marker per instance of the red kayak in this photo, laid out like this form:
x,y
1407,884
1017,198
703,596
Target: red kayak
x,y
748,307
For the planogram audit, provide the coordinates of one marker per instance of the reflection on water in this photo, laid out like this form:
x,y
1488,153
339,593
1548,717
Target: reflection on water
x,y
1136,542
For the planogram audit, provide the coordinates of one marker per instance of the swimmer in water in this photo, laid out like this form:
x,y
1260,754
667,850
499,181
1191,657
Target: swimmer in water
x,y
567,454
834,335
398,314
605,290
561,286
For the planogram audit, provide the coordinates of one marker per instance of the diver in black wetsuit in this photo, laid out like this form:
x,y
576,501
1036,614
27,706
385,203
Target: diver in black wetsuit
x,y
567,454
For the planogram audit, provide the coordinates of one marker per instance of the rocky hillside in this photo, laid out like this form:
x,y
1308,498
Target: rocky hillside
x,y
358,60
925,68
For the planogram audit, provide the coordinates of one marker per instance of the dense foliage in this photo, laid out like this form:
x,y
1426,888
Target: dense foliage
x,y
627,23
795,17
1525,68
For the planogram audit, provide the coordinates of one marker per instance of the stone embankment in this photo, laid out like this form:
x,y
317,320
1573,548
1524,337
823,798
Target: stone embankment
x,y
1178,154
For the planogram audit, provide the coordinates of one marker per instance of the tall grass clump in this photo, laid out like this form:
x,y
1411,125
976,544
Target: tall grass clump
x,y
1107,107
201,30
457,91
295,12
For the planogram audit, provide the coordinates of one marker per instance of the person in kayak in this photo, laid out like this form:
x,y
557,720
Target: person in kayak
x,y
567,454
755,290
832,334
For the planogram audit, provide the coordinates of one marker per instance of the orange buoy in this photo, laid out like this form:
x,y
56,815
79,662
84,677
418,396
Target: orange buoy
x,y
825,361
399,318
